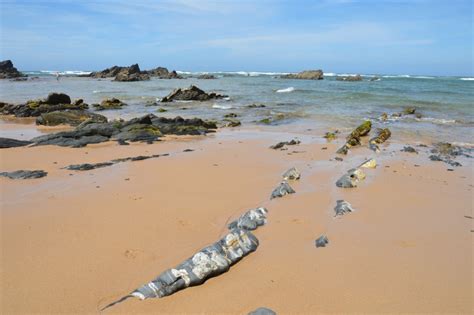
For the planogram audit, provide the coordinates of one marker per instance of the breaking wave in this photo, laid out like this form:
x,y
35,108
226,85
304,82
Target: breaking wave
x,y
287,90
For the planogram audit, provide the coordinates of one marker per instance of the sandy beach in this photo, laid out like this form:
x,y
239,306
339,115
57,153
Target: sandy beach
x,y
74,241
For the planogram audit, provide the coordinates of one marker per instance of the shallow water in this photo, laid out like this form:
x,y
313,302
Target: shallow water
x,y
446,103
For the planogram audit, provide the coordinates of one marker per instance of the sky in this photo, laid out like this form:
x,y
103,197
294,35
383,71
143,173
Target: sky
x,y
430,37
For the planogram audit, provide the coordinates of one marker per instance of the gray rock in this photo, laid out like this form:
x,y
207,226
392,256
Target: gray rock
x,y
350,78
409,149
250,220
87,166
351,178
435,158
24,174
262,311
342,207
322,241
292,174
209,262
283,189
12,143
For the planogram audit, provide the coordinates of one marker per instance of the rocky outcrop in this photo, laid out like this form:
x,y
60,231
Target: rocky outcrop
x,y
12,143
69,117
350,78
148,128
130,74
305,75
193,93
163,73
109,103
107,73
8,71
33,108
23,174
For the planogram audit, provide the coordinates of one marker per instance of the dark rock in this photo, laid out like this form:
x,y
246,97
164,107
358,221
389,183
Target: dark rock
x,y
256,106
280,145
193,93
322,241
122,142
262,311
69,117
22,174
409,149
181,126
375,79
454,163
250,220
57,98
351,78
305,75
87,166
8,71
110,103
231,115
342,207
338,158
435,158
283,189
12,143
163,73
107,73
206,77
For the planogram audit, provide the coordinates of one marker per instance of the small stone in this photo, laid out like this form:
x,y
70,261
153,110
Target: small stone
x,y
283,189
292,174
262,311
322,241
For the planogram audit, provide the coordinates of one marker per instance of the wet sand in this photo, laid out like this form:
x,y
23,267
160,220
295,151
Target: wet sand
x,y
72,242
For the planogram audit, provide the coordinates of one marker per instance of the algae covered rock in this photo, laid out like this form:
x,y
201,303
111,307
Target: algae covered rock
x,y
353,139
331,135
24,174
110,103
193,93
68,117
382,136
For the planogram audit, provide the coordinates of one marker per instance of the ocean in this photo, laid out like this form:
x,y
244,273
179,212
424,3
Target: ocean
x,y
445,103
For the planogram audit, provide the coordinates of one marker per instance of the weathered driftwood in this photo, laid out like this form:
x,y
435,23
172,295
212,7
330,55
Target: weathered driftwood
x,y
353,138
382,136
342,207
209,262
250,220
292,174
283,189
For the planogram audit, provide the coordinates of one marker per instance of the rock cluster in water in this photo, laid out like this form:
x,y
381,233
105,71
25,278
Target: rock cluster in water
x,y
133,73
305,75
193,93
350,78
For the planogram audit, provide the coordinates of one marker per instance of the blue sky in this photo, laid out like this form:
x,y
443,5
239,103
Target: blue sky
x,y
354,36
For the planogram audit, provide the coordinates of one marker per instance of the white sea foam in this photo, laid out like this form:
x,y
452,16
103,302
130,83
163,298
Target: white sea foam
x,y
287,90
440,121
218,106
467,79
67,72
423,77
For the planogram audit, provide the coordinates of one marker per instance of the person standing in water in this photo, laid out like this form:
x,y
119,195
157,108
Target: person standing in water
x,y
57,76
